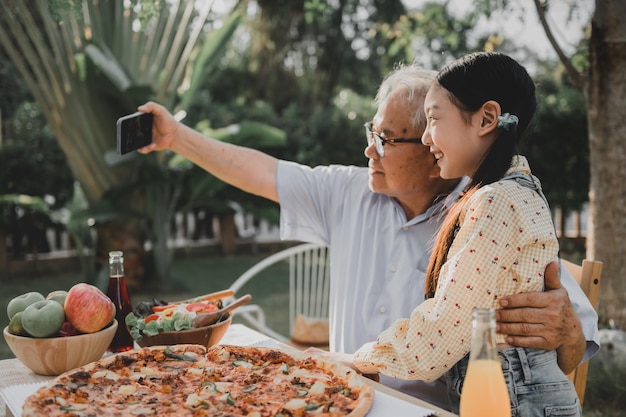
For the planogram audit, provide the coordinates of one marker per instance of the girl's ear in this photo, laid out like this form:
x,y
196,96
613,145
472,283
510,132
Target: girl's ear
x,y
489,113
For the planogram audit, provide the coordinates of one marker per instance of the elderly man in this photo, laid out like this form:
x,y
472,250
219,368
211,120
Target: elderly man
x,y
379,224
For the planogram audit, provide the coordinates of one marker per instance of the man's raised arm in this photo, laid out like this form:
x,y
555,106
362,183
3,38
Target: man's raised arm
x,y
248,169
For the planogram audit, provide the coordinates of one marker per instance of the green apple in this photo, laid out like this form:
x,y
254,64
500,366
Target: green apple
x,y
20,302
58,296
43,318
15,325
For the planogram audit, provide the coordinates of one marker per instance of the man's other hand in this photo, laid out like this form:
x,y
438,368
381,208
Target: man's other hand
x,y
544,320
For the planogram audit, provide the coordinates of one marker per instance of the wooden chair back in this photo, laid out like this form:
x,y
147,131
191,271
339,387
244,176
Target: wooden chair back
x,y
588,275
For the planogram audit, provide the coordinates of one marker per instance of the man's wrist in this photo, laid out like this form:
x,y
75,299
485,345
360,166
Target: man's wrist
x,y
572,350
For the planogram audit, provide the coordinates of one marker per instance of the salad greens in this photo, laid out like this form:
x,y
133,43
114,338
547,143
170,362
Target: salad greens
x,y
139,328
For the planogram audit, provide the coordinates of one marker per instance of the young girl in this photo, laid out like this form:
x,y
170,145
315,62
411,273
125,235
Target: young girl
x,y
495,241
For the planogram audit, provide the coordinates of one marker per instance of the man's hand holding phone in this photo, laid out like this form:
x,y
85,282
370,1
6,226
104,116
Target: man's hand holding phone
x,y
134,132
166,127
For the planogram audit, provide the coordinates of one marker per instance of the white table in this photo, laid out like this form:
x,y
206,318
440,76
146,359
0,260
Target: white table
x,y
13,373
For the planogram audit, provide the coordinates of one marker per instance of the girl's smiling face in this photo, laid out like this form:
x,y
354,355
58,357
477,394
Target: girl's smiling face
x,y
454,137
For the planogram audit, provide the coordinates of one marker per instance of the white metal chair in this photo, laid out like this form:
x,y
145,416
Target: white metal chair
x,y
309,280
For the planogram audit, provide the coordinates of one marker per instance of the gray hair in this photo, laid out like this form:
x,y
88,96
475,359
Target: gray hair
x,y
414,82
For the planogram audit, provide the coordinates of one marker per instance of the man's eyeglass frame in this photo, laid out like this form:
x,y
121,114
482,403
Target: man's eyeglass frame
x,y
380,142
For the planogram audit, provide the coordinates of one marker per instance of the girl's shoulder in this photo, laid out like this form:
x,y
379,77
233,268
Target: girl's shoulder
x,y
504,191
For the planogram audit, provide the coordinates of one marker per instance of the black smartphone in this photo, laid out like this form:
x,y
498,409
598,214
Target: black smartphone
x,y
134,131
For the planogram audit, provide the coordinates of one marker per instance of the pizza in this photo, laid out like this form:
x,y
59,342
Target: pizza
x,y
189,380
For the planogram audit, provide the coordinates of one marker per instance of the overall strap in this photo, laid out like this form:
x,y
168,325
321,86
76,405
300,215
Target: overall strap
x,y
528,180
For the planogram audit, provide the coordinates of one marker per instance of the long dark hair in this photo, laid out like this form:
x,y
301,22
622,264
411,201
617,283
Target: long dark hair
x,y
470,82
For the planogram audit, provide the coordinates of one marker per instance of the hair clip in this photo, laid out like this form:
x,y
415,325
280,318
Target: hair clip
x,y
507,120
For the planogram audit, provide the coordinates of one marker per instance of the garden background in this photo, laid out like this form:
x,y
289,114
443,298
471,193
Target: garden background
x,y
295,79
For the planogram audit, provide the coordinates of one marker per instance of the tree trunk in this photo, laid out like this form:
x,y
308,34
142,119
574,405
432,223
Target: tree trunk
x,y
122,235
606,91
228,234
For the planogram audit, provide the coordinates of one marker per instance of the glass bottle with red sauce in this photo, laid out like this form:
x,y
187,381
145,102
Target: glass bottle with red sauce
x,y
118,293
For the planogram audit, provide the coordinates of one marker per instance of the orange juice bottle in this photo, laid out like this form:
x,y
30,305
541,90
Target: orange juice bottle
x,y
484,391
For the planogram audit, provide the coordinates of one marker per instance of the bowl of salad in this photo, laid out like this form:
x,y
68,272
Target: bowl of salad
x,y
162,323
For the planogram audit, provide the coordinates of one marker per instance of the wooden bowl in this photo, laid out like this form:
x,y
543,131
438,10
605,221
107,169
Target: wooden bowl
x,y
205,336
55,355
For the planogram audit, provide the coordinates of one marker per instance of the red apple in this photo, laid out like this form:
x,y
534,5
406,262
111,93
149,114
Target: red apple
x,y
88,309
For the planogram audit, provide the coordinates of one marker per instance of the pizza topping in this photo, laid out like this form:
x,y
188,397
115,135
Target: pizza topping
x,y
126,390
196,371
193,400
311,407
105,374
250,388
245,364
304,373
143,411
318,388
295,404
184,357
80,375
218,386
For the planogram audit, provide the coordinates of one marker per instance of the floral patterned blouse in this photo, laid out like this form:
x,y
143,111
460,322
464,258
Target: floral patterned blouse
x,y
505,240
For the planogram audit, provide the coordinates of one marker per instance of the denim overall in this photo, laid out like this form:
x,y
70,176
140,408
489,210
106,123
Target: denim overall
x,y
537,386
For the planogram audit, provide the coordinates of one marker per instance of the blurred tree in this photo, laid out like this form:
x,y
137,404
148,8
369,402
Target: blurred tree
x,y
560,128
12,93
89,62
31,164
605,90
432,36
304,50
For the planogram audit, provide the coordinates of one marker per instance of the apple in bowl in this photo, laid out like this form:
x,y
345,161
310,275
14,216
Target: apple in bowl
x,y
88,309
21,302
43,318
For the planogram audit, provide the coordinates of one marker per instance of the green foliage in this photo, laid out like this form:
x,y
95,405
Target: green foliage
x,y
13,92
432,28
31,162
34,179
332,135
209,55
247,133
559,146
145,9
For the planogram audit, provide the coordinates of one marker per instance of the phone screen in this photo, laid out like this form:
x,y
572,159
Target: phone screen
x,y
133,132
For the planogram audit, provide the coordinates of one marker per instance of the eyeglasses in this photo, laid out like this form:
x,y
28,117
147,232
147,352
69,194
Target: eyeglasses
x,y
381,142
